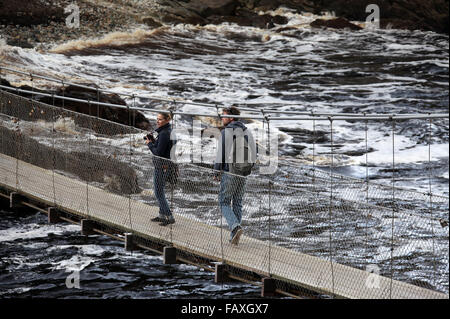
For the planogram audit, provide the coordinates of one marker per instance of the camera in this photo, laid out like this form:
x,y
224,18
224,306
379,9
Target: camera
x,y
149,136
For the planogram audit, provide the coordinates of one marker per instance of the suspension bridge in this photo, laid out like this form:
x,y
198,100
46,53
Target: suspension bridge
x,y
296,241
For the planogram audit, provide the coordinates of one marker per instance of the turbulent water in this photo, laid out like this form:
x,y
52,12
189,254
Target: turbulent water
x,y
41,260
290,69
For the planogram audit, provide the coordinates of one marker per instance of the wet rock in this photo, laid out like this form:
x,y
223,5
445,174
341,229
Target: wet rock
x,y
151,22
306,136
244,17
19,43
432,15
31,12
118,115
339,23
359,152
114,114
206,8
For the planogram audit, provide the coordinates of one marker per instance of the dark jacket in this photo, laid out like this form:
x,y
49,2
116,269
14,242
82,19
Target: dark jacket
x,y
225,146
162,145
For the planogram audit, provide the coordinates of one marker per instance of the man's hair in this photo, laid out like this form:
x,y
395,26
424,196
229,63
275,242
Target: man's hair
x,y
232,110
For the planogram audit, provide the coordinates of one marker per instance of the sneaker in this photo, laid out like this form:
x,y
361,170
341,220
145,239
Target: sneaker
x,y
167,221
158,219
236,235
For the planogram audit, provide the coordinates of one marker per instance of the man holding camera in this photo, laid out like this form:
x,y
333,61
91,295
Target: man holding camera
x,y
161,147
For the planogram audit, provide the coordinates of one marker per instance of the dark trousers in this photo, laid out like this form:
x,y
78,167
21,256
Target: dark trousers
x,y
159,181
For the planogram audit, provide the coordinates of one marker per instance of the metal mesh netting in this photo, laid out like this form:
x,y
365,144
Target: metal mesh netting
x,y
306,230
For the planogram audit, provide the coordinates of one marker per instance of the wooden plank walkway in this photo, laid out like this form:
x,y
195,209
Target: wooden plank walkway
x,y
199,238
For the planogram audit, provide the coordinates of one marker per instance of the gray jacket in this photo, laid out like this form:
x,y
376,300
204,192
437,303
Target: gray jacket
x,y
234,129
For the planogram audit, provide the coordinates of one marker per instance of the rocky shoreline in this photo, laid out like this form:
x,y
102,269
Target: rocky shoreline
x,y
39,23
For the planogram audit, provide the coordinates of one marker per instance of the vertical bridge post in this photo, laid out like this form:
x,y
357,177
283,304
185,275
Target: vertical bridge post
x,y
221,275
268,287
15,200
129,244
170,255
53,215
87,227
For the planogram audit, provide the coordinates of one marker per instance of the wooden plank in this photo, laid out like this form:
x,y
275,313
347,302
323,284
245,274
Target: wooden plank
x,y
202,239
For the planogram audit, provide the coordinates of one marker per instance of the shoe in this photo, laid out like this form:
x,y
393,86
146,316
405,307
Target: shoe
x,y
236,235
167,221
158,219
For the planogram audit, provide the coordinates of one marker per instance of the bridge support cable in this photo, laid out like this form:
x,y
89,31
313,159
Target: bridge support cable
x,y
270,227
394,210
131,142
330,208
172,186
366,129
90,159
430,176
53,133
218,176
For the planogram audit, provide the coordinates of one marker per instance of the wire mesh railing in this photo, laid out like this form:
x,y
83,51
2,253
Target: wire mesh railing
x,y
381,229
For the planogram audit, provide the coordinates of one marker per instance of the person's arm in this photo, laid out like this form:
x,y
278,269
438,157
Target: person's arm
x,y
161,145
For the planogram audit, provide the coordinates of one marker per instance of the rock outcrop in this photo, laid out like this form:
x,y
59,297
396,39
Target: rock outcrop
x,y
40,22
432,15
114,114
339,23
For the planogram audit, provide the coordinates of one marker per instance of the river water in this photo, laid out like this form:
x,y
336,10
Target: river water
x,y
290,69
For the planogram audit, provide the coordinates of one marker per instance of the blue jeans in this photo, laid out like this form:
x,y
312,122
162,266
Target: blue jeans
x,y
159,182
232,189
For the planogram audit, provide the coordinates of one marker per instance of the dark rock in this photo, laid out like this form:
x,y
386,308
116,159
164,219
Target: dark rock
x,y
206,8
19,43
114,114
358,152
244,17
431,15
151,22
339,23
30,12
306,136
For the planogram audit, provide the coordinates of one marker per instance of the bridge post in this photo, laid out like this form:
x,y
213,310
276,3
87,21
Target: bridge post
x,y
268,287
15,200
87,227
169,255
129,245
221,275
53,215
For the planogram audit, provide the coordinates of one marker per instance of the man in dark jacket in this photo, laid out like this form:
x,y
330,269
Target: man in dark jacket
x,y
232,186
161,148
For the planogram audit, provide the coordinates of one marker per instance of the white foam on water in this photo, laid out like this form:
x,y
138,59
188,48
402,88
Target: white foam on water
x,y
75,263
31,231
